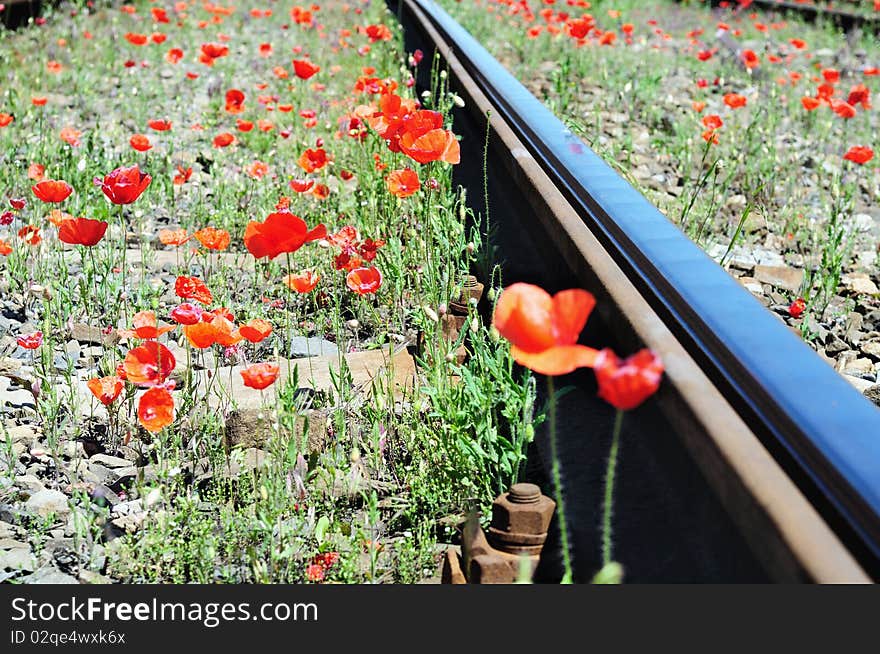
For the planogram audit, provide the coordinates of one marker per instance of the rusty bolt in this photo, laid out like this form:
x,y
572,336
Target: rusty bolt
x,y
520,519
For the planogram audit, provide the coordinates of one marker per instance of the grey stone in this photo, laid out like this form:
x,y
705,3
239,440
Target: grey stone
x,y
300,346
873,393
872,350
783,277
17,559
49,574
129,523
18,399
46,502
29,483
863,368
23,434
113,478
852,333
110,461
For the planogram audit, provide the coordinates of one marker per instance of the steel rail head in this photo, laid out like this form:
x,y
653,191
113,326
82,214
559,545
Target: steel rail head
x,y
824,433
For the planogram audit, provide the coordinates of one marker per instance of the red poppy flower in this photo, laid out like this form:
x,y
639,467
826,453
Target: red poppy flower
x,y
6,119
173,236
30,341
156,409
244,125
182,176
301,185
174,55
750,59
809,103
105,389
136,39
626,384
831,75
36,172
213,329
211,51
312,160
187,314
378,33
435,145
71,136
403,183
234,101
257,170
260,375
303,282
140,143
860,95
280,232
223,140
193,288
5,248
160,15
124,185
364,280
81,231
734,100
30,234
859,154
712,121
304,69
149,364
52,190
160,125
256,330
213,238
796,309
39,100
315,573
843,109
200,335
145,326
825,91
543,330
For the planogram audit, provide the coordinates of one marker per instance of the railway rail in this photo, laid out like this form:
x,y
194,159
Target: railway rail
x,y
845,19
757,461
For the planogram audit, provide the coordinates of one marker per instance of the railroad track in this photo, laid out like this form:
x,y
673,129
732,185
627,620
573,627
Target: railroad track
x,y
18,12
756,461
847,20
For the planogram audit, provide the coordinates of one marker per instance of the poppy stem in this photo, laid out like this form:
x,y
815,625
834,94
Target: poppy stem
x,y
609,489
124,263
557,484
